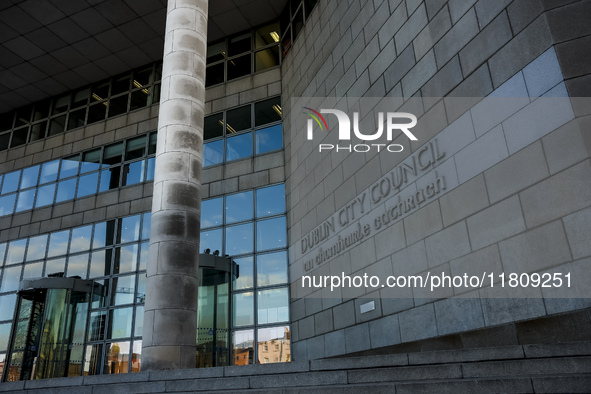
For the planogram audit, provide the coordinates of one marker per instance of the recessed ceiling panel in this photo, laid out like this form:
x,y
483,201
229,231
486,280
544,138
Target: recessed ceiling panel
x,y
51,46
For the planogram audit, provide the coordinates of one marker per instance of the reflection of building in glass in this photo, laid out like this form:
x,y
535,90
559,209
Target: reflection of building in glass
x,y
276,350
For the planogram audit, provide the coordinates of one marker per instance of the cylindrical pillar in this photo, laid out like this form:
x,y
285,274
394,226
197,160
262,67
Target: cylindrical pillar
x,y
170,315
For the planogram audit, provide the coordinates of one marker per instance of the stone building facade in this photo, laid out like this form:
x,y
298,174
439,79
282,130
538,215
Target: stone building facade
x,y
498,181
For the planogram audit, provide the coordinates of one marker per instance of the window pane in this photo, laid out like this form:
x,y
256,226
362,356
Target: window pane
x,y
6,121
57,125
141,288
11,182
274,345
243,309
103,234
272,269
78,265
213,153
19,137
152,143
100,263
29,178
66,190
239,44
213,126
49,172
139,98
45,195
239,207
139,321
121,84
267,111
266,35
270,200
146,223
41,110
129,229
271,234
76,118
239,147
125,259
4,138
97,324
58,243
69,166
273,306
34,270
93,359
238,119
142,77
81,239
117,355
11,279
151,168
90,161
266,58
80,98
120,323
25,200
269,139
7,306
239,239
214,74
61,104
109,179
96,113
211,240
123,290
133,173
238,67
87,185
246,269
216,52
2,252
112,154
145,247
100,91
38,131
4,335
36,249
55,266
16,252
135,148
243,347
118,105
136,355
211,212
298,22
7,204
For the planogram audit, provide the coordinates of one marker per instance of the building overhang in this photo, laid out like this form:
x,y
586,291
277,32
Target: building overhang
x,y
48,47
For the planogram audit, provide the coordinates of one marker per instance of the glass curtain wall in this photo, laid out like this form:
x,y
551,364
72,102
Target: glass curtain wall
x,y
243,132
95,103
250,226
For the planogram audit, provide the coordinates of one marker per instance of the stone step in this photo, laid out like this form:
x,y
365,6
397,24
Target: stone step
x,y
527,368
558,349
466,355
552,384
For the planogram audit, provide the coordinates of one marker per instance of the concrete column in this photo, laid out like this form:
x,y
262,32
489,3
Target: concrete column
x,y
170,316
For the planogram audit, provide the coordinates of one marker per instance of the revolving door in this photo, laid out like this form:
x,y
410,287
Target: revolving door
x,y
213,313
47,339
